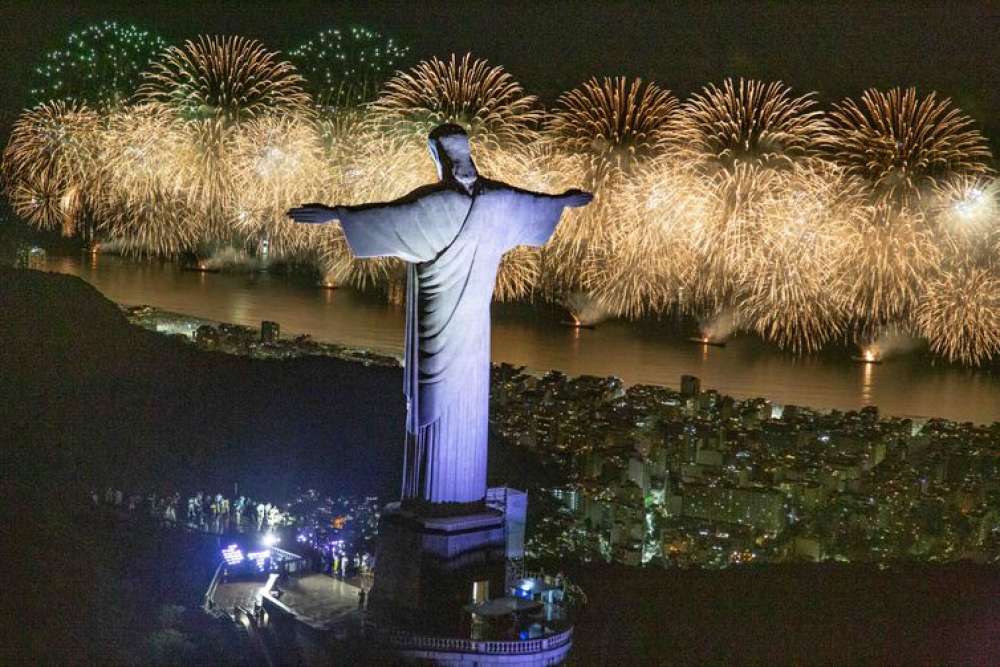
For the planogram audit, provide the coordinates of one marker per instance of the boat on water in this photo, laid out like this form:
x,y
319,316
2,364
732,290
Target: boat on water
x,y
577,325
705,340
866,359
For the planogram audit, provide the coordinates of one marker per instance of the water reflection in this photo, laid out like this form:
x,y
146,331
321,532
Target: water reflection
x,y
867,382
523,335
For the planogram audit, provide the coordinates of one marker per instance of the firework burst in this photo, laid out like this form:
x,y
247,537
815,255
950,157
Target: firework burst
x,y
100,65
886,256
747,122
58,136
744,200
345,68
650,261
959,314
153,221
142,203
966,215
224,80
900,144
615,123
50,163
133,147
785,293
484,99
38,198
612,127
278,163
211,87
759,245
729,235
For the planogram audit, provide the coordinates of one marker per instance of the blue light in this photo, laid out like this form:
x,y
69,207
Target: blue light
x,y
260,557
232,555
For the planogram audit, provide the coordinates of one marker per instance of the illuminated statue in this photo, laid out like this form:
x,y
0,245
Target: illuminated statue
x,y
452,235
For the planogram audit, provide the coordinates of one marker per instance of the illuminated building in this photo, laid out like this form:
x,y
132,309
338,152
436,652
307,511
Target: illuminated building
x,y
31,257
690,386
269,331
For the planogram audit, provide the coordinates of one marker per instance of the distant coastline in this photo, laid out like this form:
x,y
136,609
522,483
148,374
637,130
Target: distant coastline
x,y
292,344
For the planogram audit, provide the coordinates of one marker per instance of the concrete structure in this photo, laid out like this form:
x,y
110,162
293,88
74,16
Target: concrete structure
x,y
425,563
443,550
452,234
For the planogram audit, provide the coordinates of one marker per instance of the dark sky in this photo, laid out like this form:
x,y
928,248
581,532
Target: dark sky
x,y
835,49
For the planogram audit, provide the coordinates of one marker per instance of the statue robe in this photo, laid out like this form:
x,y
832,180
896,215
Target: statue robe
x,y
453,243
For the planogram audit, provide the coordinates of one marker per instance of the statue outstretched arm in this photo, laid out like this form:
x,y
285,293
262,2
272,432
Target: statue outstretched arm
x,y
314,214
320,214
413,228
574,198
538,214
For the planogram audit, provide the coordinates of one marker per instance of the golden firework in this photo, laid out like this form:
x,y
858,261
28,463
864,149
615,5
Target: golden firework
x,y
278,162
50,163
37,197
959,314
887,255
225,80
747,122
615,123
611,127
487,101
787,286
744,200
210,87
966,216
142,203
900,144
650,262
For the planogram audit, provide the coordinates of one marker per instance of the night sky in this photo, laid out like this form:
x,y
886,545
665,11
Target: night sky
x,y
835,49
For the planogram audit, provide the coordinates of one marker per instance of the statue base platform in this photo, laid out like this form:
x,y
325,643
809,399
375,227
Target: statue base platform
x,y
437,569
428,569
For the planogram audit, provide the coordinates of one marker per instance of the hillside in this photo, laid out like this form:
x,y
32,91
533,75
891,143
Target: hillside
x,y
89,400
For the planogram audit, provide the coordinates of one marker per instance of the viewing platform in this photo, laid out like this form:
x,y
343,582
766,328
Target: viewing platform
x,y
551,650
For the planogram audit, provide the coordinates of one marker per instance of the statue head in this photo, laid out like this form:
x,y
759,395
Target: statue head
x,y
449,146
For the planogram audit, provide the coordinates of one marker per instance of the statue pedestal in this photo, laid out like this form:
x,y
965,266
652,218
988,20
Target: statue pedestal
x,y
429,569
439,592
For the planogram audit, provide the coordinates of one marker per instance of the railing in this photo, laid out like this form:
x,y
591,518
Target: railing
x,y
212,587
407,641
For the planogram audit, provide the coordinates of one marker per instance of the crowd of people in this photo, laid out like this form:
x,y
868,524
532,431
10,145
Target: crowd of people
x,y
213,513
334,533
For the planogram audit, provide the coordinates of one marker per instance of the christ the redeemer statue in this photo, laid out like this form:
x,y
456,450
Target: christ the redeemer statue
x,y
452,235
